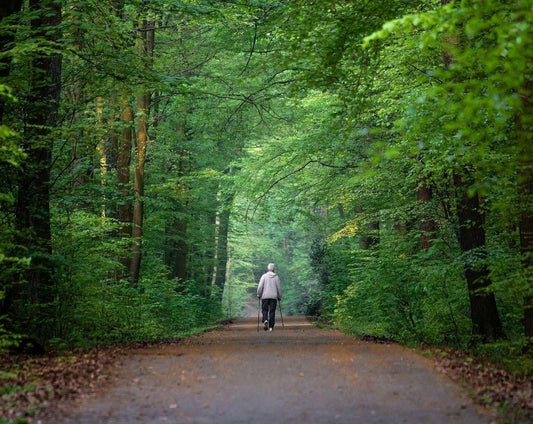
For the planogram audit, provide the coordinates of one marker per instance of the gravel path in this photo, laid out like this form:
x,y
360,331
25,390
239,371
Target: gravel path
x,y
297,374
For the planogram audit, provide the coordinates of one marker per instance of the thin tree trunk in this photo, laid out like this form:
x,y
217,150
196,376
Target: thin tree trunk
x,y
217,241
125,211
102,154
221,257
146,48
471,234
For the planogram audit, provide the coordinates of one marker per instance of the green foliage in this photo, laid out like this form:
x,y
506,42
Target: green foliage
x,y
403,295
252,247
374,114
10,150
100,310
11,155
198,67
307,127
157,310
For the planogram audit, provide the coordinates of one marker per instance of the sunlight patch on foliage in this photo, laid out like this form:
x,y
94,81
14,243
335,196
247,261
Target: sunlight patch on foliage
x,y
349,230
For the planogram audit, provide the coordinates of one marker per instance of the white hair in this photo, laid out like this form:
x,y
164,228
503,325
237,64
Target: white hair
x,y
270,267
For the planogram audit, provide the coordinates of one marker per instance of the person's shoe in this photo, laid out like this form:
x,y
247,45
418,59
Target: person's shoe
x,y
270,329
265,325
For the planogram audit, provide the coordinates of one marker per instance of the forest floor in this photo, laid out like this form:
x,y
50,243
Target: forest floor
x,y
235,374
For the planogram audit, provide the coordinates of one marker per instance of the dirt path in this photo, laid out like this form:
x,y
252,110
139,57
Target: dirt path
x,y
299,374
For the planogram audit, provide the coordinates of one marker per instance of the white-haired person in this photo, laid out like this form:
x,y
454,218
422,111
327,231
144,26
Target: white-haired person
x,y
269,291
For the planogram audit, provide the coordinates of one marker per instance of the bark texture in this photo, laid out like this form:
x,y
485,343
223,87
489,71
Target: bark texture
x,y
146,49
32,207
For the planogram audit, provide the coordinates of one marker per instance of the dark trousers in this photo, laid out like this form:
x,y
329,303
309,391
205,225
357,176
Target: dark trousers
x,y
269,311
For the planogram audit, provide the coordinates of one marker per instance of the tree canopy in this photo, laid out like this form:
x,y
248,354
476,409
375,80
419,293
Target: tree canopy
x,y
157,155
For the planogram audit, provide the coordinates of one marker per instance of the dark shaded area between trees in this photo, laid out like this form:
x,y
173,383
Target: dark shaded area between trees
x,y
155,156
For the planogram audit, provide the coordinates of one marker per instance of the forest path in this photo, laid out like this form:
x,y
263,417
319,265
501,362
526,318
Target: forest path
x,y
297,374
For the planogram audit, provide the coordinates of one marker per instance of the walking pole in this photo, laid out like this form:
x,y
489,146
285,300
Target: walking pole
x,y
258,308
281,315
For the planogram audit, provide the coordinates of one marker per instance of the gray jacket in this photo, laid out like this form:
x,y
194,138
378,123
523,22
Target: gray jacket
x,y
269,286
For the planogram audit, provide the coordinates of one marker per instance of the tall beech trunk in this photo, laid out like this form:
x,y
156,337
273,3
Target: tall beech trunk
x,y
125,207
146,48
32,208
471,234
143,106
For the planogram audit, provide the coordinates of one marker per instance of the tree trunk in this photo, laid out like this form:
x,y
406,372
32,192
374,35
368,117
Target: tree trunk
x,y
217,241
221,257
125,211
146,48
122,144
143,104
101,149
484,314
32,208
471,234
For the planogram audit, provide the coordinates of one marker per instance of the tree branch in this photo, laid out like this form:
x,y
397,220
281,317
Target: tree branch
x,y
425,73
258,199
251,49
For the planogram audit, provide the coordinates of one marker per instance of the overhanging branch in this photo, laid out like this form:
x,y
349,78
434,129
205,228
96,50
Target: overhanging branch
x,y
259,198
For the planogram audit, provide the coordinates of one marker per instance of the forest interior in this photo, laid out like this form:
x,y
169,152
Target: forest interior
x,y
156,155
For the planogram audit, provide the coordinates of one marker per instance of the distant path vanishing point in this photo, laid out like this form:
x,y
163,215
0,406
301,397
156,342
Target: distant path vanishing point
x,y
297,374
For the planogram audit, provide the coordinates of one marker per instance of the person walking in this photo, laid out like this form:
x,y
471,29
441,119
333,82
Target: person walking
x,y
269,291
